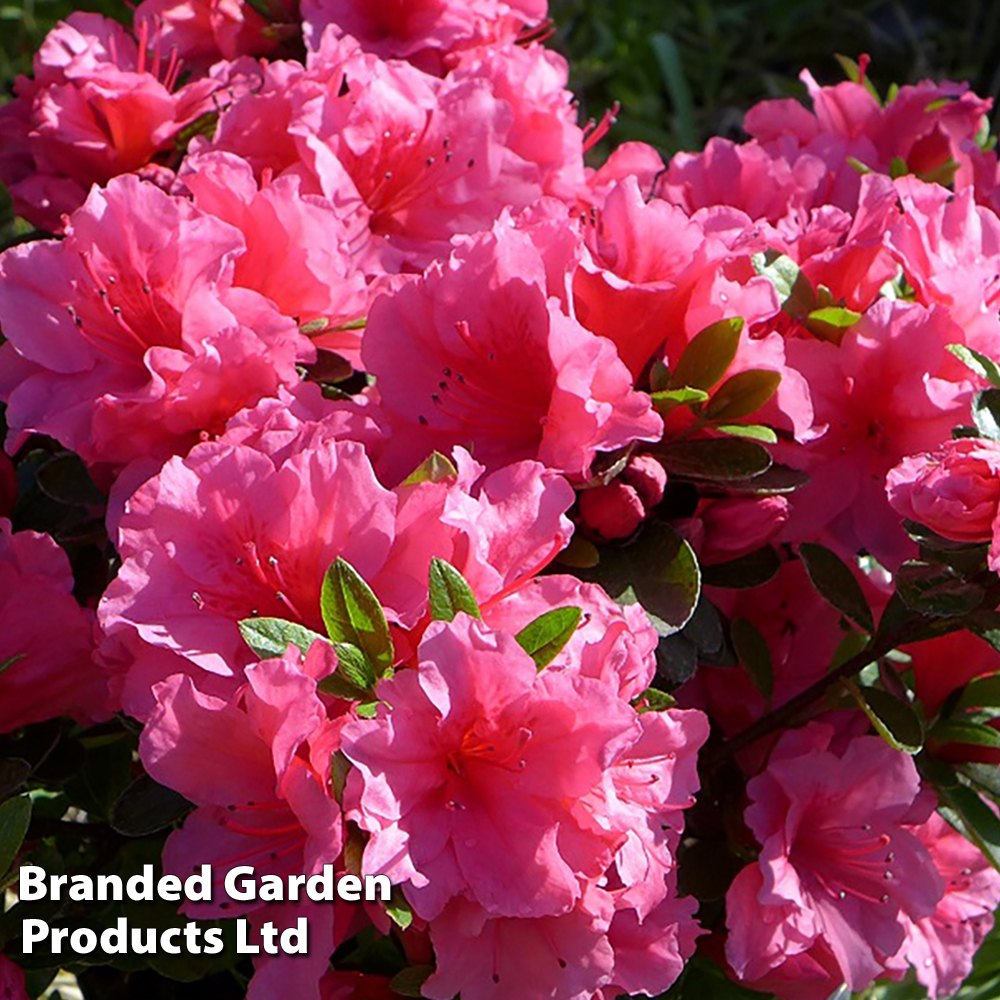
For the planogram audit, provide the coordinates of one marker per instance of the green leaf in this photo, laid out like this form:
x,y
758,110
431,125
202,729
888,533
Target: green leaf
x,y
742,394
719,459
367,710
836,583
751,570
544,638
754,654
795,293
659,377
778,480
271,637
932,588
409,982
435,468
676,659
146,807
653,700
986,413
15,815
894,720
5,665
339,768
853,73
971,816
754,432
354,677
983,366
986,776
658,569
14,772
352,614
983,692
399,910
579,554
963,731
668,58
831,322
449,593
708,355
669,399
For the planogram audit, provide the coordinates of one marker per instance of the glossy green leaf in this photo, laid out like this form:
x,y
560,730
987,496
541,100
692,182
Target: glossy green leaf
x,y
751,570
354,677
754,654
669,399
933,588
352,613
835,582
742,394
986,413
449,592
653,700
963,731
399,910
708,355
983,692
831,323
544,638
436,468
271,637
722,460
983,366
795,293
15,815
410,981
146,807
753,432
894,720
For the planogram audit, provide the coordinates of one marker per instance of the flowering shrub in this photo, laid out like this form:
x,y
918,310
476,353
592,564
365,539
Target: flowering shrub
x,y
604,557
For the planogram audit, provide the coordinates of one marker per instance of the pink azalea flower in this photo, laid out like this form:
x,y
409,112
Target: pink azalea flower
x,y
256,765
127,339
838,863
423,31
46,654
227,534
11,981
889,390
473,353
203,31
230,532
490,958
298,251
467,786
941,947
949,249
100,105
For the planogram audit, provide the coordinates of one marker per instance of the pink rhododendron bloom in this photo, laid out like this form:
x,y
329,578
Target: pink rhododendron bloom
x,y
8,485
473,353
490,958
838,863
467,786
100,104
949,249
11,981
584,880
737,527
941,947
248,535
243,537
613,643
203,31
423,31
46,653
890,389
127,339
298,251
954,490
257,768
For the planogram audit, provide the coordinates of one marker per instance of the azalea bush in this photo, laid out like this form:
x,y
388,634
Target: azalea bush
x,y
603,549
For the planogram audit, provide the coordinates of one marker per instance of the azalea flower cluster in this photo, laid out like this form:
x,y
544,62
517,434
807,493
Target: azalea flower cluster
x,y
461,493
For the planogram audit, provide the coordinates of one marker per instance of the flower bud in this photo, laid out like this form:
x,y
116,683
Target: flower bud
x,y
612,511
736,527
